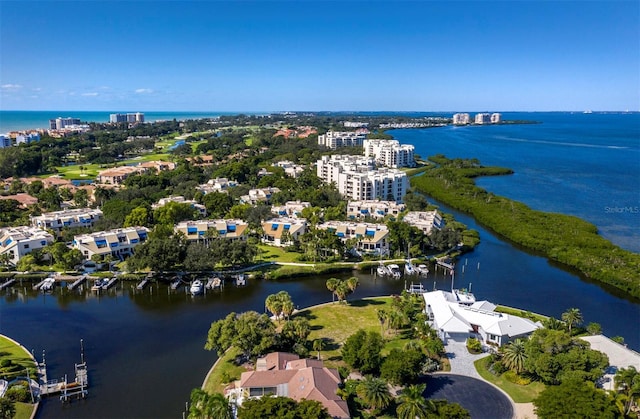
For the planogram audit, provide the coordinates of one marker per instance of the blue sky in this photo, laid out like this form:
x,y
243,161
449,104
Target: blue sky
x,y
330,55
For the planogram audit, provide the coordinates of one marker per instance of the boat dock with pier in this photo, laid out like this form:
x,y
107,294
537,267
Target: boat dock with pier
x,y
64,388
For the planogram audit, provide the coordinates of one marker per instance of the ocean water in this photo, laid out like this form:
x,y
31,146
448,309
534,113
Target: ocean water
x,y
587,165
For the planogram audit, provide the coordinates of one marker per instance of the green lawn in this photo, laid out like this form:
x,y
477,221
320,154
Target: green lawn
x,y
522,313
519,394
277,254
9,350
224,367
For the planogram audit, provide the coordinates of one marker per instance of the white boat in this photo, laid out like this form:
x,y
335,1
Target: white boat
x,y
464,297
196,287
394,271
48,284
409,269
382,270
213,283
241,280
97,285
422,270
175,284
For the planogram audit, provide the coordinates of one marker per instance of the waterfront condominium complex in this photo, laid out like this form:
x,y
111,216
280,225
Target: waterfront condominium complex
x,y
496,118
57,220
62,123
370,238
15,242
357,178
482,118
424,220
373,209
390,153
126,117
336,139
461,119
206,230
116,243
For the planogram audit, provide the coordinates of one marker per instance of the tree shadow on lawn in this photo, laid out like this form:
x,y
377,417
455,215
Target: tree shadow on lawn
x,y
365,303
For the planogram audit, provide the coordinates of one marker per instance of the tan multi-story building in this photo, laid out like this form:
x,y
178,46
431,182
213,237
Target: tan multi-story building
x,y
57,220
371,238
19,241
207,230
424,220
375,209
117,175
118,243
283,231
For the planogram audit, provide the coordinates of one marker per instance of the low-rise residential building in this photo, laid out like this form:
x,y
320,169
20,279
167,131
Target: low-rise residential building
x,y
457,316
370,238
257,196
290,209
57,220
424,220
285,374
337,139
283,231
24,199
357,178
15,242
117,175
461,119
202,210
390,153
290,169
5,141
207,230
355,124
220,184
373,208
118,243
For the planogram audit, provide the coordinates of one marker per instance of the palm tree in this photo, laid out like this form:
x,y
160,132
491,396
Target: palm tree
x,y
374,392
7,408
209,406
383,318
287,308
274,305
318,345
412,403
553,324
342,290
572,317
353,283
627,380
514,356
332,285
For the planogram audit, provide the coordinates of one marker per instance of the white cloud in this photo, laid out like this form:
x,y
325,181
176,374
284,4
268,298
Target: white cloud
x,y
10,86
143,91
90,94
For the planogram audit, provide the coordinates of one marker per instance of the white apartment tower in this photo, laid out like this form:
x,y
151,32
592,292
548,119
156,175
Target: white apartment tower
x,y
483,118
496,118
335,139
461,119
357,179
390,153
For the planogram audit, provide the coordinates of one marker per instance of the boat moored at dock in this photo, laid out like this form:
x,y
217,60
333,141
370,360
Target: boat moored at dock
x,y
196,287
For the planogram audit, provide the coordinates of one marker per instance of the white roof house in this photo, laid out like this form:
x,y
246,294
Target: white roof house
x,y
57,220
19,241
456,319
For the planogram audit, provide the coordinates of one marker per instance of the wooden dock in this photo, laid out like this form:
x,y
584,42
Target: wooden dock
x,y
142,284
109,283
77,282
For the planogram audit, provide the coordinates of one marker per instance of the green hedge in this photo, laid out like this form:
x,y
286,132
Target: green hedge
x,y
561,238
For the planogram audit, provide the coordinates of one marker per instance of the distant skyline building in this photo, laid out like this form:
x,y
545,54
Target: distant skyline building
x,y
496,118
461,119
482,118
131,118
62,123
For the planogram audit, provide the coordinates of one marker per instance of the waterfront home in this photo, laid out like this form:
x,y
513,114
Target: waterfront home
x,y
257,196
118,243
424,220
206,230
15,242
57,220
456,317
370,238
180,200
24,199
285,374
290,208
374,209
283,231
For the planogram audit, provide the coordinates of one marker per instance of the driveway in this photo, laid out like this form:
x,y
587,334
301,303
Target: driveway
x,y
481,399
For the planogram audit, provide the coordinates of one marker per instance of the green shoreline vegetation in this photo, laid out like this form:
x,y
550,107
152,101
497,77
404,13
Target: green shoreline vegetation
x,y
14,361
561,238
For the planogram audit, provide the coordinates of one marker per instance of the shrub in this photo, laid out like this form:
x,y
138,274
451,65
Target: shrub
x,y
497,368
517,378
18,393
5,363
474,346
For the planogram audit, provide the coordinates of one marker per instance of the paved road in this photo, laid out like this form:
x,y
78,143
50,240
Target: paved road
x,y
482,400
